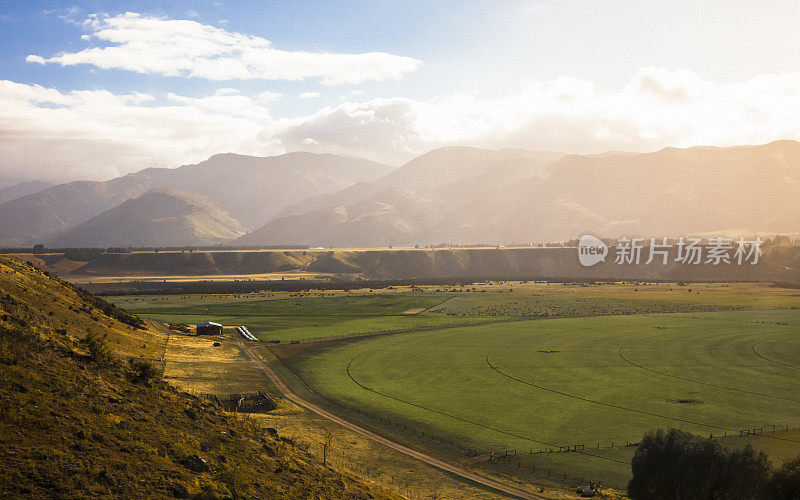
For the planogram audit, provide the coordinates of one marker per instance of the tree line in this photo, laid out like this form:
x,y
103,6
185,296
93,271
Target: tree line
x,y
676,465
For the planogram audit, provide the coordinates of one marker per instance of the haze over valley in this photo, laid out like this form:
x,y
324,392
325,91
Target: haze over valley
x,y
452,195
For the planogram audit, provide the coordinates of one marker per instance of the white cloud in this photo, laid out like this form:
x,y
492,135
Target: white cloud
x,y
189,49
95,134
309,95
657,108
382,129
267,96
68,15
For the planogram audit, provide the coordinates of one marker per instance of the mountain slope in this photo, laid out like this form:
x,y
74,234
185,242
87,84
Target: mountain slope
x,y
77,420
159,217
672,192
403,206
22,189
390,217
448,166
251,189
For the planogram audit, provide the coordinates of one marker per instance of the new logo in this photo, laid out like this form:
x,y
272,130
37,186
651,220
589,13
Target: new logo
x,y
591,250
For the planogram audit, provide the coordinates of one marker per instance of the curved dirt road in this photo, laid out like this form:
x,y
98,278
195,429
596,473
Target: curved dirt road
x,y
467,474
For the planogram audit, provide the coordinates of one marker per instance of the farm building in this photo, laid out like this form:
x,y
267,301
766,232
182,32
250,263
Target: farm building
x,y
209,328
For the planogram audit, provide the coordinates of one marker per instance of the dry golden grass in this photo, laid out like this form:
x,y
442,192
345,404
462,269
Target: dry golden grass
x,y
78,421
194,364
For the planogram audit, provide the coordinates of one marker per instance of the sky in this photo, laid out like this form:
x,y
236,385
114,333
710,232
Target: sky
x,y
97,89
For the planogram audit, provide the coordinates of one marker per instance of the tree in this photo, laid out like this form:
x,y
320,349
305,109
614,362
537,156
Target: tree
x,y
679,465
38,248
786,480
326,446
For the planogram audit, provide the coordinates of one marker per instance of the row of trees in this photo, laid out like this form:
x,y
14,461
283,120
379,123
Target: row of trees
x,y
675,465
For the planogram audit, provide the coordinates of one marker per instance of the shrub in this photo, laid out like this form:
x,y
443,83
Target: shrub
x,y
234,479
679,465
143,370
98,348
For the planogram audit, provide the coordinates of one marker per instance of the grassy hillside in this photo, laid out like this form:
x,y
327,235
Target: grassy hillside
x,y
80,418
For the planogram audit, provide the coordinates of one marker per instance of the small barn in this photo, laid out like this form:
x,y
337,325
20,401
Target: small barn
x,y
209,328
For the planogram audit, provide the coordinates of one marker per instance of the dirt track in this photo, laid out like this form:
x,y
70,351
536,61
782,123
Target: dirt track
x,y
464,473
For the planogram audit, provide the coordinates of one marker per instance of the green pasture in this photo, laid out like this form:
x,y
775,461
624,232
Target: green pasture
x,y
314,314
536,385
299,318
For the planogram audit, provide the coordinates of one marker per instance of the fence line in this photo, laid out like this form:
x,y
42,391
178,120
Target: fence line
x,y
510,459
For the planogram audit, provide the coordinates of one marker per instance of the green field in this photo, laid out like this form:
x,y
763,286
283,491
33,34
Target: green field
x,y
542,384
300,317
586,365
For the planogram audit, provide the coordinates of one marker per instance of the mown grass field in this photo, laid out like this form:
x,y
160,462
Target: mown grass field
x,y
542,384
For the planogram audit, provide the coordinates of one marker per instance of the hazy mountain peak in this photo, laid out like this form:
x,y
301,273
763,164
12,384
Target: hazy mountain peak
x,y
160,217
22,189
251,189
467,195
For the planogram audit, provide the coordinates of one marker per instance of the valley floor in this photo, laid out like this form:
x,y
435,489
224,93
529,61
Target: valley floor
x,y
504,377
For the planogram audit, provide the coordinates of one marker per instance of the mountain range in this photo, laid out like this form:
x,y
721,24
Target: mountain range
x,y
251,189
510,196
458,195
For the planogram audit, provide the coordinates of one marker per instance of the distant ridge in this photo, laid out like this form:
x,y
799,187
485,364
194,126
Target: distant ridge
x,y
455,195
464,195
251,189
157,218
22,189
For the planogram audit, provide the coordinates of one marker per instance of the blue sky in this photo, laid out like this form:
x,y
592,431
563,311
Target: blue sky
x,y
95,89
436,32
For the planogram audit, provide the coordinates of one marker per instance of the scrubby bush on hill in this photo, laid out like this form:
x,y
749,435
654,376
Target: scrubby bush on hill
x,y
143,370
98,348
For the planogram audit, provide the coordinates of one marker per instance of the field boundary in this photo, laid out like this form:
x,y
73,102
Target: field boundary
x,y
448,441
430,460
500,457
